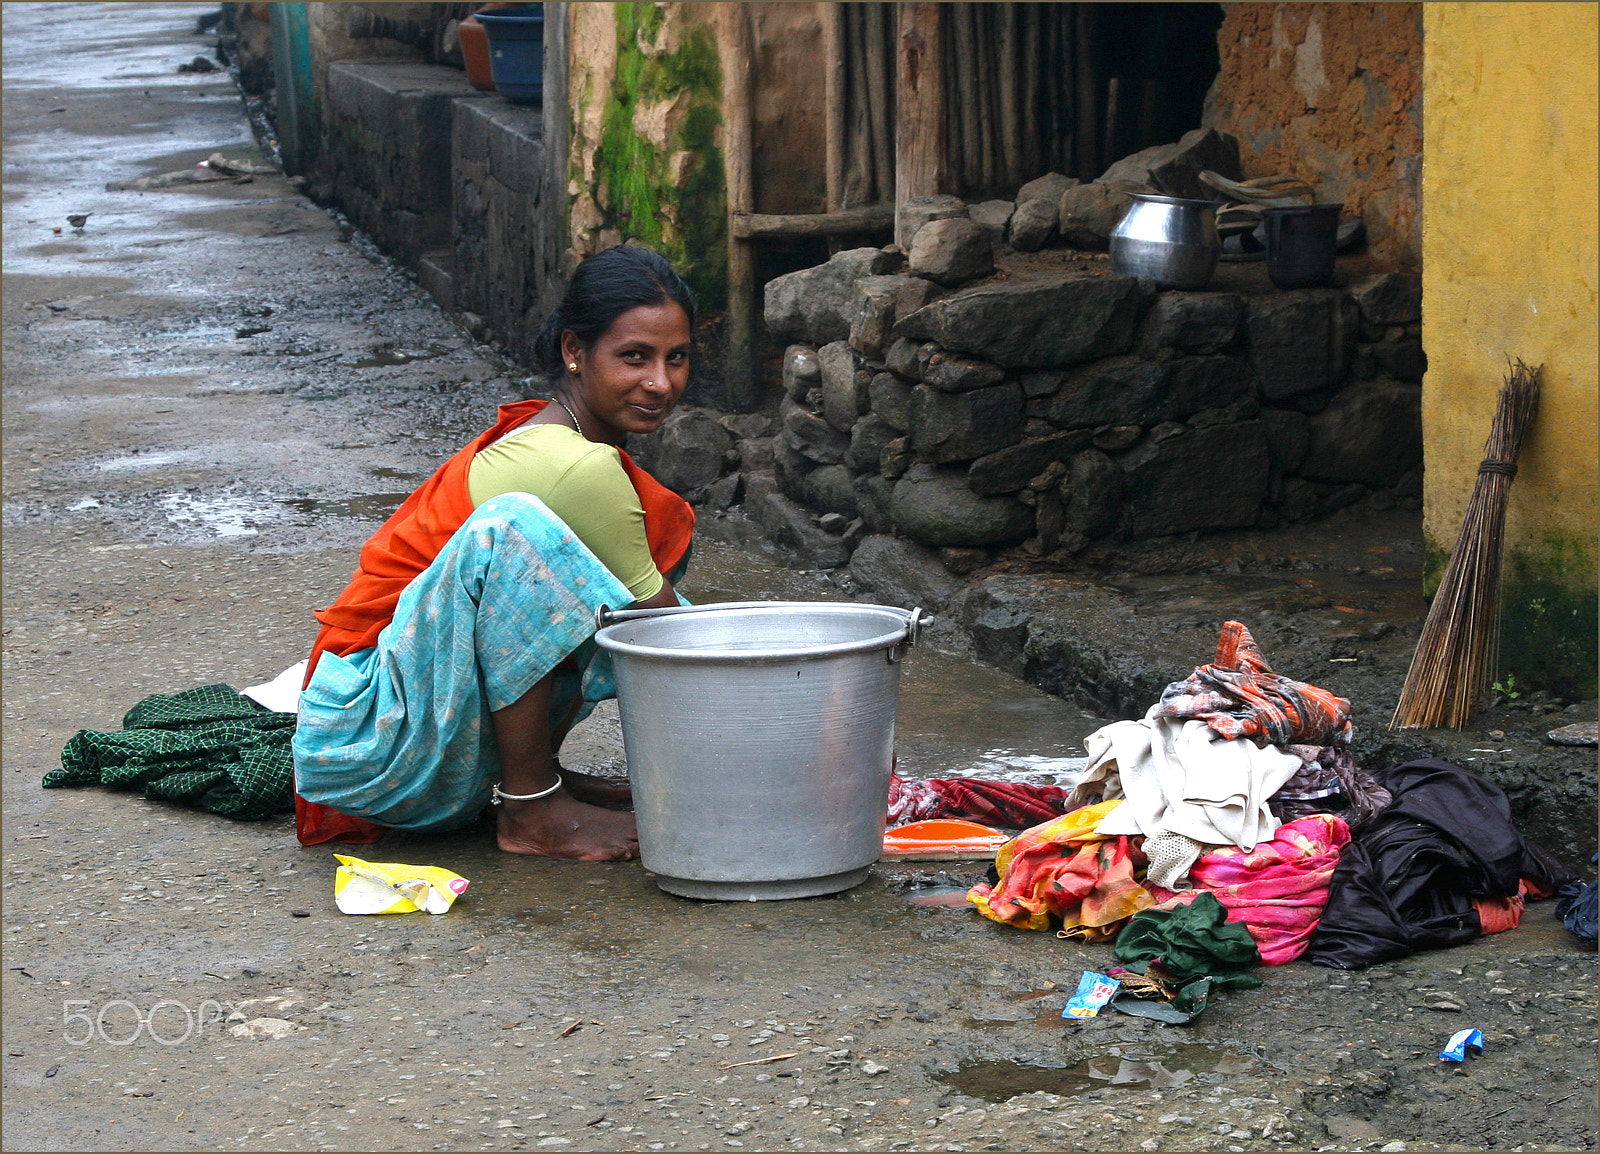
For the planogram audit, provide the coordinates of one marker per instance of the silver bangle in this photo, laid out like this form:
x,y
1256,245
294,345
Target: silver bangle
x,y
499,797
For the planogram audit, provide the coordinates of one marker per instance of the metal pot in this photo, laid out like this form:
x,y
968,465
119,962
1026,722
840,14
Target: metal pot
x,y
1168,240
760,740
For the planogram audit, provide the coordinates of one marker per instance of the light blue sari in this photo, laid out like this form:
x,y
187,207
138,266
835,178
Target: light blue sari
x,y
400,734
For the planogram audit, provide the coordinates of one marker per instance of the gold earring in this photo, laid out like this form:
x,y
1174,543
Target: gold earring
x,y
572,366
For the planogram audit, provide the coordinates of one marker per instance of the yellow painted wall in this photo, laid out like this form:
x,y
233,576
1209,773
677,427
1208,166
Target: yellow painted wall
x,y
1509,239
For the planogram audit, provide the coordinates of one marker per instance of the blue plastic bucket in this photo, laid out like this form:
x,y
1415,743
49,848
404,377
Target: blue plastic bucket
x,y
516,52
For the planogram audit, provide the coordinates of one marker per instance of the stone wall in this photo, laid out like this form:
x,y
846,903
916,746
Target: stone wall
x,y
1333,94
1050,406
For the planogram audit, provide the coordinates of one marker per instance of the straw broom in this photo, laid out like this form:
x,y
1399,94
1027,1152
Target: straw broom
x,y
1459,649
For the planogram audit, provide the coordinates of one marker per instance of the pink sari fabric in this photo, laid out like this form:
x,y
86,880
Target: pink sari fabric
x,y
1278,889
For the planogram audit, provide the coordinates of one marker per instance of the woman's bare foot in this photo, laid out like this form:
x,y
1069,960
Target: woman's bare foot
x,y
561,826
596,789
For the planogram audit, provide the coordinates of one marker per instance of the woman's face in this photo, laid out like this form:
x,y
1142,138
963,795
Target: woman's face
x,y
635,373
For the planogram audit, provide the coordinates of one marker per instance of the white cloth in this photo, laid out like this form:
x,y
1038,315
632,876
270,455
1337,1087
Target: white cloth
x,y
282,693
1183,778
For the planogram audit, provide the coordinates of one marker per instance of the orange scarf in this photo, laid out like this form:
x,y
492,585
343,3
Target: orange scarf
x,y
407,543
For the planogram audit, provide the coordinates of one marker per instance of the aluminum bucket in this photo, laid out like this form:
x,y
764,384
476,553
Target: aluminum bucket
x,y
760,740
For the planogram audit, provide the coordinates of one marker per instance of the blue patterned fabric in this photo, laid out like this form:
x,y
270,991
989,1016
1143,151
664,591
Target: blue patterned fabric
x,y
400,734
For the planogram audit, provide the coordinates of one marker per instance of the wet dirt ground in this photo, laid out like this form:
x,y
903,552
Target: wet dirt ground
x,y
211,395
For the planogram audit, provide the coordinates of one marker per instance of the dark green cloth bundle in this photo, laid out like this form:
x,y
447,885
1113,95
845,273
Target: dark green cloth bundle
x,y
209,747
1191,942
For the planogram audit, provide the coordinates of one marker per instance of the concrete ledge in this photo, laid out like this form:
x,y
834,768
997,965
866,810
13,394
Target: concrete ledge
x,y
389,150
507,259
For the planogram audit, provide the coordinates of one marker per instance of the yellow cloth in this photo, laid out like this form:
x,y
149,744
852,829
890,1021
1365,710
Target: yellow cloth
x,y
583,483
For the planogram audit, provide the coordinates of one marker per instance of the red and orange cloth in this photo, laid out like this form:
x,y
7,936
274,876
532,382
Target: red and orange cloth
x,y
1063,869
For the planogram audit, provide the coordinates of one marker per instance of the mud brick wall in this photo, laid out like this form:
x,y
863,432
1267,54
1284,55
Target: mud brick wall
x,y
1046,410
389,153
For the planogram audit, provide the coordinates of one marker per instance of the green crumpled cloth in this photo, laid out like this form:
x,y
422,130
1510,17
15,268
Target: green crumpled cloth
x,y
209,747
1192,941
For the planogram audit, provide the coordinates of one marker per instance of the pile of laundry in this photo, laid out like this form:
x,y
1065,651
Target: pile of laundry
x,y
1237,799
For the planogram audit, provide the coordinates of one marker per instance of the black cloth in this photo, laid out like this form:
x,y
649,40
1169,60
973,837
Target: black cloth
x,y
1408,878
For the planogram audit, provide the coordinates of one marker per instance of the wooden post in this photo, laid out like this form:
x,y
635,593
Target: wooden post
x,y
833,48
739,368
920,162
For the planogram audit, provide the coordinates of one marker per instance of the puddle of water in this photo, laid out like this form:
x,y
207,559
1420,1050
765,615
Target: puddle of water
x,y
371,506
141,461
227,516
389,471
1132,1065
943,897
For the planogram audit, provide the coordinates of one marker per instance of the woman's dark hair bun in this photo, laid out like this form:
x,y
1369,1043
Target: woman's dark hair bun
x,y
602,288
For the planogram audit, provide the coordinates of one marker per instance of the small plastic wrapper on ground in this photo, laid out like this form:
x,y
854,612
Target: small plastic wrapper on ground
x,y
1455,1050
1093,992
363,887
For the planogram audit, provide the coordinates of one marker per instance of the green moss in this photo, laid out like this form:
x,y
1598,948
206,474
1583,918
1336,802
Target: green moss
x,y
635,190
1550,617
1549,613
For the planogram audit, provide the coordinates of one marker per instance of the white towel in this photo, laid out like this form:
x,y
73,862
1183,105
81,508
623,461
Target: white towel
x,y
282,693
1182,778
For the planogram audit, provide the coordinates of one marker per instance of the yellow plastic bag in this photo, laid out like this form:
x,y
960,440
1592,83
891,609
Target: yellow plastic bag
x,y
366,887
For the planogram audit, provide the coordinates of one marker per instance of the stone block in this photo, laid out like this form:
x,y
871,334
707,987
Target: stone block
x,y
1300,341
950,427
867,442
756,454
1035,322
790,525
901,358
1092,494
801,371
1010,469
1213,478
992,216
1175,168
1033,224
873,495
950,252
826,489
1035,385
882,300
1049,187
953,373
1117,438
816,305
1389,298
743,426
935,507
1132,391
1403,358
812,436
902,573
890,398
1088,213
911,216
1371,432
896,459
844,386
1192,322
1288,437
689,458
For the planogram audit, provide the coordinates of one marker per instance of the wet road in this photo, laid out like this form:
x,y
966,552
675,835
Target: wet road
x,y
211,395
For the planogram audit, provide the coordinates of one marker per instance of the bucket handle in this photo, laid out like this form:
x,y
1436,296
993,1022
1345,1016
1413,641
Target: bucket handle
x,y
915,619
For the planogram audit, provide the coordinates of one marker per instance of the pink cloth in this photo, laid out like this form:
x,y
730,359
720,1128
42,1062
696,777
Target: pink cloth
x,y
1278,889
